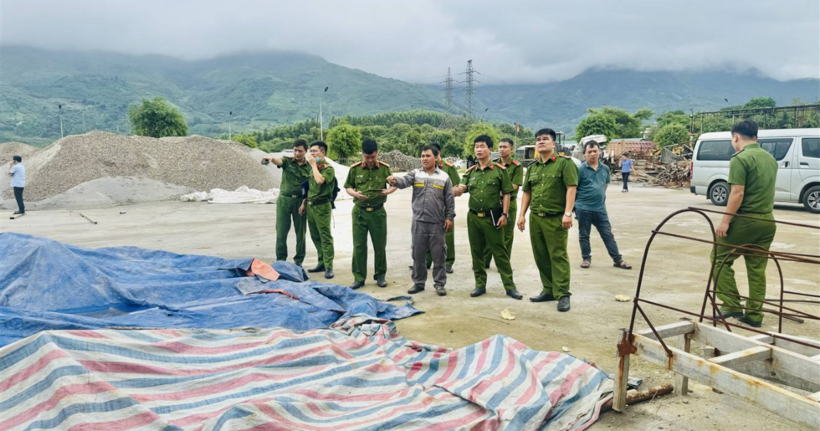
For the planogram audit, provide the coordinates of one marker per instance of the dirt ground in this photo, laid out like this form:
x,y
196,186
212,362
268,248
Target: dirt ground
x,y
676,273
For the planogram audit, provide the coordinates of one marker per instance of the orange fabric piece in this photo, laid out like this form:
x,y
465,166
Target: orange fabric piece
x,y
263,270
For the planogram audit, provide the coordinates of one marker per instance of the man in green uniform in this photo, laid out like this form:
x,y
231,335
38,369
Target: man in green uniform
x,y
752,175
549,188
487,182
320,192
365,182
450,237
516,173
295,171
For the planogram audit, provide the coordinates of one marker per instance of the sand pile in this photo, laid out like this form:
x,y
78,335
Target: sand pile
x,y
11,149
400,162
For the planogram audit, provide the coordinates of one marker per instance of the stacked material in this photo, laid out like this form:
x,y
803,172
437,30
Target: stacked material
x,y
11,149
242,195
192,162
399,162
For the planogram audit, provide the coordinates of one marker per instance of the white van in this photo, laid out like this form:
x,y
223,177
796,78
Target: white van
x,y
797,152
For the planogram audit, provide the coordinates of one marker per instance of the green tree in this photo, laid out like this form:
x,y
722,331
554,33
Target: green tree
x,y
344,141
597,123
476,130
156,118
673,117
671,134
760,102
246,139
629,125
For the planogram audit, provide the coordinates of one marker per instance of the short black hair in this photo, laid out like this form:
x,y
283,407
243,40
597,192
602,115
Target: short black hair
x,y
431,147
507,140
369,146
300,143
436,144
590,144
320,144
545,131
485,139
745,128
17,159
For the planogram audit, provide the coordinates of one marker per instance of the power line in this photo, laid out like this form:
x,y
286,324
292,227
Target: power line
x,y
448,91
470,81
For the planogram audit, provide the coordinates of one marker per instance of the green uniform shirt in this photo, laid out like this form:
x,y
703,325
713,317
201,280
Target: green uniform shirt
x,y
486,186
756,170
516,173
451,172
548,182
293,176
318,191
370,181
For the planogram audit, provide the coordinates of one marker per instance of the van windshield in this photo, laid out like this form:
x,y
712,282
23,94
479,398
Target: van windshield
x,y
715,150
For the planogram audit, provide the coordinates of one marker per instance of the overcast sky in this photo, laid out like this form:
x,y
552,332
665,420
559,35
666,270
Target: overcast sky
x,y
509,41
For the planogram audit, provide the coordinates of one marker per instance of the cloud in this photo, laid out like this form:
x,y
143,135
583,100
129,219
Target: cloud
x,y
509,42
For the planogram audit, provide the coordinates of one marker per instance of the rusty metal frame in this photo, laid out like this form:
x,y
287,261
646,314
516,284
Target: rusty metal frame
x,y
650,342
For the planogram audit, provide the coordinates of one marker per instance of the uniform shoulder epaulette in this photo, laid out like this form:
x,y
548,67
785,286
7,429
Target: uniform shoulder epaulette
x,y
516,163
357,164
384,163
448,163
741,150
501,166
471,168
566,157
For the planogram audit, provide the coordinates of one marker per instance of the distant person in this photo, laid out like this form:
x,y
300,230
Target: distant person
x,y
433,213
17,172
549,192
516,173
626,168
366,181
321,185
590,207
295,171
752,175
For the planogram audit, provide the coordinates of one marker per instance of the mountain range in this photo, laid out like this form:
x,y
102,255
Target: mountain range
x,y
253,90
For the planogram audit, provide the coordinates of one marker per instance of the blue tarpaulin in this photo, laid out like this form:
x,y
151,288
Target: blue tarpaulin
x,y
46,285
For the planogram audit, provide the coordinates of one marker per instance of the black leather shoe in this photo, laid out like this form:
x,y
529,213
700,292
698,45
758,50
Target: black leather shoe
x,y
380,281
319,268
416,289
745,319
543,297
730,314
563,304
478,292
448,269
329,274
357,284
515,294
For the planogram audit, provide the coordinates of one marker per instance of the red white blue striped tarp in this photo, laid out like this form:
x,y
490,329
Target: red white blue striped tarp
x,y
359,375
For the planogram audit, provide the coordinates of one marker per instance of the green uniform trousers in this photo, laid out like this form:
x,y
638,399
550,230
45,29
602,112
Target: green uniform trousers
x,y
744,231
484,235
287,209
318,217
374,222
509,234
450,239
549,247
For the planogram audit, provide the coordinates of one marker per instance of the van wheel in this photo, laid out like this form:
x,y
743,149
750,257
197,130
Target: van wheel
x,y
719,194
811,200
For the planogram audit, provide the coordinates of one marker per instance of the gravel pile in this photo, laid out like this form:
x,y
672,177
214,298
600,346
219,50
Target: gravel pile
x,y
11,149
399,162
193,162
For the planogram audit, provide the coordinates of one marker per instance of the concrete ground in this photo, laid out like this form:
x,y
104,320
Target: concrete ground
x,y
676,273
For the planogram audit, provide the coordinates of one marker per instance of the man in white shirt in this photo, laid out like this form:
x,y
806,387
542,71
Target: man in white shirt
x,y
17,172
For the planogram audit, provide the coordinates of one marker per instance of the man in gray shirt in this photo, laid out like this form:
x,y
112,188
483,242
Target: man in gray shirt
x,y
433,213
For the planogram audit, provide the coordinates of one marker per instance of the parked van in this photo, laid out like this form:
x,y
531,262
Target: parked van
x,y
797,152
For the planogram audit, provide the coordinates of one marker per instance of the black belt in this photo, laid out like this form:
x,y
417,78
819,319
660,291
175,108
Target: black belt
x,y
291,196
544,214
481,214
319,201
749,212
371,209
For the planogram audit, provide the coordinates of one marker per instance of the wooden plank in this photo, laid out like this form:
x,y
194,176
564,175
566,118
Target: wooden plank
x,y
681,381
774,399
670,330
763,338
782,360
736,359
795,347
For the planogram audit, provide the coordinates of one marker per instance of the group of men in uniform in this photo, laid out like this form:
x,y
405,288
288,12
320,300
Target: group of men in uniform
x,y
549,193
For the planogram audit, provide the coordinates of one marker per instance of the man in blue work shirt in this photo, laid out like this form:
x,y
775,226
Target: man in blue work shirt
x,y
590,207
